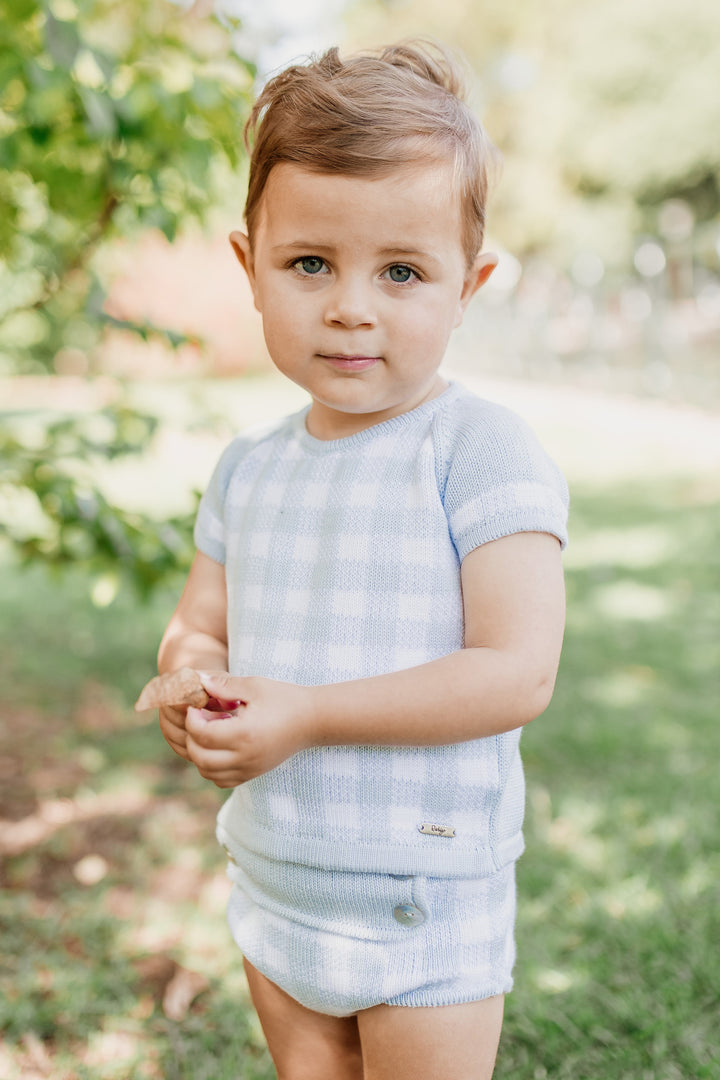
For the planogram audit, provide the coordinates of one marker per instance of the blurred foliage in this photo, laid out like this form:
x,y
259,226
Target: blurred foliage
x,y
603,111
56,512
114,118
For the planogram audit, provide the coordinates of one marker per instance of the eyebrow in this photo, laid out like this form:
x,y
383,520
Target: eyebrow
x,y
397,250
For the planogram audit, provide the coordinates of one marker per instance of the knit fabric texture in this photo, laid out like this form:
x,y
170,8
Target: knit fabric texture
x,y
332,941
342,561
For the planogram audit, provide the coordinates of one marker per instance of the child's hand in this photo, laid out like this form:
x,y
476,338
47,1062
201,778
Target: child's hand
x,y
172,719
271,723
172,726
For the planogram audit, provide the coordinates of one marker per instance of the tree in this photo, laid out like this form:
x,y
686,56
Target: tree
x,y
603,111
114,118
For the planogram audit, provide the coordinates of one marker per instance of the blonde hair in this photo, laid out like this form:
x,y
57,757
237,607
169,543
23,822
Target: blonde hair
x,y
368,114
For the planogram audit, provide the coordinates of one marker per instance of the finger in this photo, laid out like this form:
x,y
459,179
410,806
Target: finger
x,y
210,761
169,724
173,733
229,779
172,717
178,747
229,782
222,686
215,731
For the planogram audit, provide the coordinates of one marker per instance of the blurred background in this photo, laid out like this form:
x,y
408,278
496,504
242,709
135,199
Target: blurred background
x,y
130,354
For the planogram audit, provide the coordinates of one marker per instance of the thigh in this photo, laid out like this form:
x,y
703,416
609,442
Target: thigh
x,y
455,1042
304,1045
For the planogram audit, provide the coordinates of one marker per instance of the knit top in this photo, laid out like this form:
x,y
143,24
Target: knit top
x,y
343,561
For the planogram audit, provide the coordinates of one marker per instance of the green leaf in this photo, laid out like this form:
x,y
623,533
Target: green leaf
x,y
100,112
63,41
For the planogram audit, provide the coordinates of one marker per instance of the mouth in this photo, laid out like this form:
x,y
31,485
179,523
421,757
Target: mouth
x,y
344,362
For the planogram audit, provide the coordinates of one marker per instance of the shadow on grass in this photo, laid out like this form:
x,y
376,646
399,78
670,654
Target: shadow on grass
x,y
111,913
113,886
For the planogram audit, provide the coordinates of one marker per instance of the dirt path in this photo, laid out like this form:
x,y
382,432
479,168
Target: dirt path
x,y
604,438
597,437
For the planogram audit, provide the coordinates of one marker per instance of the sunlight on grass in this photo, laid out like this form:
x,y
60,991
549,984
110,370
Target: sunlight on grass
x,y
626,686
700,878
631,600
630,898
118,1051
551,981
573,830
632,547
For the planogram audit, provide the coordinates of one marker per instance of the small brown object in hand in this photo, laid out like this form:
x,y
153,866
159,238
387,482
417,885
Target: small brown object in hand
x,y
181,687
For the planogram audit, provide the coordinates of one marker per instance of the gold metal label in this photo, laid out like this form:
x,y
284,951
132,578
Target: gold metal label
x,y
430,829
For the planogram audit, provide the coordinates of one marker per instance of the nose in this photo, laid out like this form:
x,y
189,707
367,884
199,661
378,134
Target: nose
x,y
350,304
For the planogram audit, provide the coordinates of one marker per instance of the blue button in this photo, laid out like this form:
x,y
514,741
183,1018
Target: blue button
x,y
409,915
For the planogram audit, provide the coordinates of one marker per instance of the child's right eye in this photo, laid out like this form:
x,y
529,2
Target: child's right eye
x,y
309,265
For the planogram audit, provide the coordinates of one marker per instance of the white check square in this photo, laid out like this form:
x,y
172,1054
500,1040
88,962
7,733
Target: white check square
x,y
404,818
286,652
260,543
478,772
343,815
283,808
274,494
238,494
364,495
305,548
244,647
252,597
297,601
346,660
339,761
413,767
316,495
416,551
353,547
414,607
349,602
407,658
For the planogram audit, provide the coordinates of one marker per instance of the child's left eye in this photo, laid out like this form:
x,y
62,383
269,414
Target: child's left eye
x,y
400,274
309,265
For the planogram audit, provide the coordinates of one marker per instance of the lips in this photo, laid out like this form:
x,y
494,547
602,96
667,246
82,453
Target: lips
x,y
350,363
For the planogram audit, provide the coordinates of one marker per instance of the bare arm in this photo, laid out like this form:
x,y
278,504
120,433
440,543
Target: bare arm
x,y
514,604
196,637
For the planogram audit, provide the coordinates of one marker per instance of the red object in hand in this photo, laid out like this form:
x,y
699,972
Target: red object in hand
x,y
223,709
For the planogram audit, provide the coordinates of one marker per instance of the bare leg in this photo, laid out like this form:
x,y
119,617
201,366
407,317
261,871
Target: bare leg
x,y
303,1044
455,1042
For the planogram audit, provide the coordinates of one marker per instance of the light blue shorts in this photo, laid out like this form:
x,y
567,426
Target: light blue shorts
x,y
340,941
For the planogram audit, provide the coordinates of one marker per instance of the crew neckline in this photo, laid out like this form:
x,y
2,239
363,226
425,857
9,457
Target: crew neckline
x,y
451,391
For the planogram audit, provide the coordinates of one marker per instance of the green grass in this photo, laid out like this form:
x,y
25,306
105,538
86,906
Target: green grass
x,y
618,890
617,974
84,965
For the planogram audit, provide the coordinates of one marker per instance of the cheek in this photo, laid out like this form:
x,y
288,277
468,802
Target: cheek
x,y
427,323
275,337
283,318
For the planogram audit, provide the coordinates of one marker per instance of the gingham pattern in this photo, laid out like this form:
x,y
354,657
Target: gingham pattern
x,y
342,561
330,940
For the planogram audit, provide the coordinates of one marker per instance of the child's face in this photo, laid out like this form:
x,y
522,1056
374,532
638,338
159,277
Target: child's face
x,y
359,283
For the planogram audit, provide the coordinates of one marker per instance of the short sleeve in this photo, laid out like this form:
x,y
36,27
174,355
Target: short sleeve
x,y
499,480
209,533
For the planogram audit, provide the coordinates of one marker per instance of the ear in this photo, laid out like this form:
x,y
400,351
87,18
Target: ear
x,y
476,277
240,244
